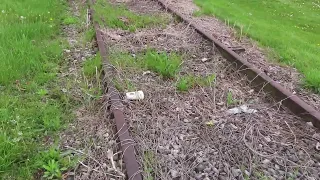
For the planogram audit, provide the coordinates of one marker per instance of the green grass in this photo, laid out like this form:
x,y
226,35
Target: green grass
x,y
187,82
148,163
118,16
124,85
93,66
90,34
32,107
70,20
125,61
231,100
290,28
166,65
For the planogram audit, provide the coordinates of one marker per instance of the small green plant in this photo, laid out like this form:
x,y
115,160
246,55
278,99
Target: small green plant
x,y
118,16
124,85
185,83
167,65
260,176
148,161
55,162
42,92
52,118
207,81
92,66
53,170
125,60
294,175
70,20
89,35
230,99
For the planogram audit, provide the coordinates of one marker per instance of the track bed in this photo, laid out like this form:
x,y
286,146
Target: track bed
x,y
192,135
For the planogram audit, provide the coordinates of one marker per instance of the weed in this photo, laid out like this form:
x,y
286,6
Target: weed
x,y
207,81
89,35
148,161
167,65
42,92
118,16
230,99
52,170
126,61
124,85
55,162
70,20
260,175
184,83
93,66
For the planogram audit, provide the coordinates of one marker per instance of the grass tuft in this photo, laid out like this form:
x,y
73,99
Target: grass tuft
x,y
118,16
92,67
167,65
70,20
148,161
185,83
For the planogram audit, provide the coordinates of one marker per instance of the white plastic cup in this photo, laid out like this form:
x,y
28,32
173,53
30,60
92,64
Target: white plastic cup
x,y
136,95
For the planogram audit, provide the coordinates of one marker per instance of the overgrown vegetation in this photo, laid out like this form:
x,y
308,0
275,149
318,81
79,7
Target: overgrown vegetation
x,y
148,162
118,16
92,67
55,162
291,28
70,20
166,65
185,83
124,85
230,99
33,108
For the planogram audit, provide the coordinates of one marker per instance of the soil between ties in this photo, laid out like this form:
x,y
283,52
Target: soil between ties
x,y
190,135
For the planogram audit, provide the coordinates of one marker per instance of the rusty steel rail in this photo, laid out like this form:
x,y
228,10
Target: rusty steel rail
x,y
126,141
258,79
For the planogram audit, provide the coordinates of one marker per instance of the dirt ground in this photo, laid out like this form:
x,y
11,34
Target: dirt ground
x,y
192,135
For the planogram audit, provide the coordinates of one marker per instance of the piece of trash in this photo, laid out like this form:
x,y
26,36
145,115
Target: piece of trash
x,y
310,124
146,72
204,59
241,109
233,126
220,103
136,95
251,91
267,138
316,136
318,146
211,123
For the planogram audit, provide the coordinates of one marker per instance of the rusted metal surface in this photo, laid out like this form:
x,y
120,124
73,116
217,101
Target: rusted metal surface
x,y
259,80
127,143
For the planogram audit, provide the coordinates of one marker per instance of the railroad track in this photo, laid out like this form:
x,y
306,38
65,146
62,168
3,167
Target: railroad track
x,y
254,78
